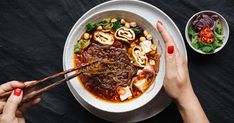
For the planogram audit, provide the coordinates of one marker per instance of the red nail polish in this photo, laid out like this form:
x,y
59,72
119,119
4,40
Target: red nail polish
x,y
17,92
160,22
170,49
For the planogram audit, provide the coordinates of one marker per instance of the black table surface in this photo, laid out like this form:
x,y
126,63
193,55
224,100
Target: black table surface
x,y
32,37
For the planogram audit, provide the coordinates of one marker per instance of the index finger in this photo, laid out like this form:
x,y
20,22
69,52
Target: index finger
x,y
166,36
10,86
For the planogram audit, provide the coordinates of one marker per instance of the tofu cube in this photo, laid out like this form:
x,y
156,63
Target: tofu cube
x,y
142,84
146,46
124,93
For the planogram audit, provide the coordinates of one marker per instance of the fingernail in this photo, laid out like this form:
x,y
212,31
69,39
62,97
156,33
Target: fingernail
x,y
17,92
170,49
160,22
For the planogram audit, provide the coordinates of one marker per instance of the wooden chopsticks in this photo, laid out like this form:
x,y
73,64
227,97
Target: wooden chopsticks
x,y
31,95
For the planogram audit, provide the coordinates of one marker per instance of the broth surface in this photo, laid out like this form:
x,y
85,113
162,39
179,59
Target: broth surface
x,y
119,74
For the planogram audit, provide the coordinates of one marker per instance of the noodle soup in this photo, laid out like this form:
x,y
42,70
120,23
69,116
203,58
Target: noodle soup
x,y
134,60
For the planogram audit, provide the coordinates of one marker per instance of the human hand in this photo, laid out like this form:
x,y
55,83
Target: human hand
x,y
10,109
176,81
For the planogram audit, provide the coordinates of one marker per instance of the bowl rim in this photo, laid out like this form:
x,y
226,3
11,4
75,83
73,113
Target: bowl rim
x,y
151,87
188,40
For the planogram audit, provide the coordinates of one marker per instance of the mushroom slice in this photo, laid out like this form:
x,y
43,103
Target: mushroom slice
x,y
139,57
103,38
125,34
124,93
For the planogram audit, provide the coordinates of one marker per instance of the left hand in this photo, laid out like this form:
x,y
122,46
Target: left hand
x,y
10,111
177,82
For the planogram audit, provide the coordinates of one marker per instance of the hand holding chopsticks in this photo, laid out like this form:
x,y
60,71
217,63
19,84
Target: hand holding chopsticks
x,y
11,108
31,95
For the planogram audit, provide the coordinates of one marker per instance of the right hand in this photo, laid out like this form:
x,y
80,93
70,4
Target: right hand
x,y
10,111
176,81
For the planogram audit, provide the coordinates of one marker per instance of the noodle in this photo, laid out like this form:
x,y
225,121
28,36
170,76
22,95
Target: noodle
x,y
120,64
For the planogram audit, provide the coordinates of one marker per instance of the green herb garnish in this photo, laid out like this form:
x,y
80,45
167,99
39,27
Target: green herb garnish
x,y
90,27
137,30
218,27
191,31
117,24
81,45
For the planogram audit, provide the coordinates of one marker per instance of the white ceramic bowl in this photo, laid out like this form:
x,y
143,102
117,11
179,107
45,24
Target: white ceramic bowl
x,y
75,35
224,25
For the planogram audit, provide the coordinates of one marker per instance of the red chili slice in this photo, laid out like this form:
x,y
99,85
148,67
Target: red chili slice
x,y
206,35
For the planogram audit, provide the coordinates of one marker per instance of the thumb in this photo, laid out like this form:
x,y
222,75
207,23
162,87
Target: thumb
x,y
12,103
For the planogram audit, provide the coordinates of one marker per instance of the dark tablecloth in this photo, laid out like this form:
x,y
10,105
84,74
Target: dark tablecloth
x,y
32,37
